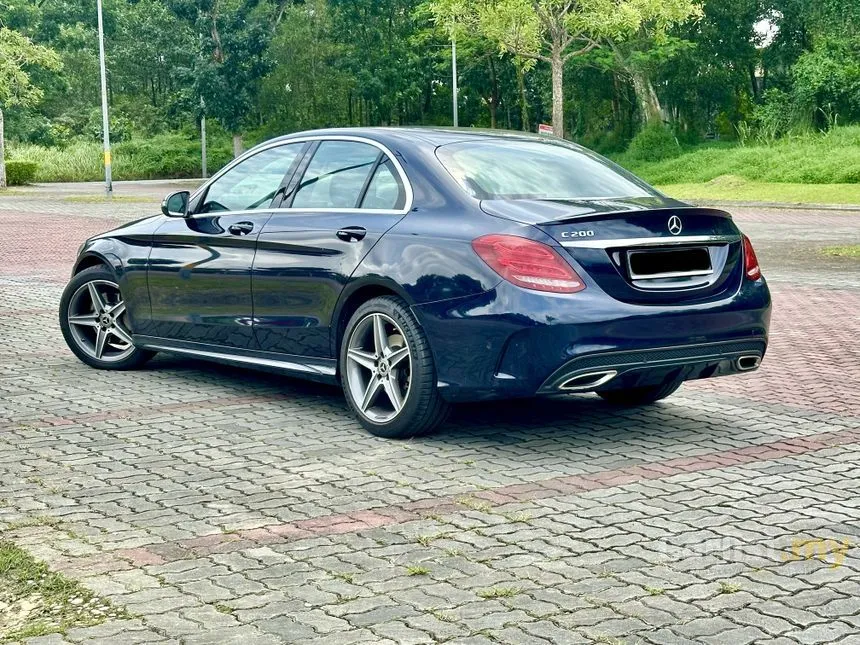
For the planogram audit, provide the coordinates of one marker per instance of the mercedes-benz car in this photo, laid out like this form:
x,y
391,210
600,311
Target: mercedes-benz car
x,y
421,267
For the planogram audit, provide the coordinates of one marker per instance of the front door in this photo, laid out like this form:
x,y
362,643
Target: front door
x,y
199,271
350,194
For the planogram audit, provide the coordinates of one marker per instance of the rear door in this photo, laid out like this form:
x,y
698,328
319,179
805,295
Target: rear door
x,y
347,195
199,274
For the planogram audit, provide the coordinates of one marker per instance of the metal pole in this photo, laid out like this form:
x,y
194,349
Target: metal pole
x,y
203,137
105,123
454,77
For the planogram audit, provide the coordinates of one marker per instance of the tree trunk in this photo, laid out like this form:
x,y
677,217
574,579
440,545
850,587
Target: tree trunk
x,y
494,93
2,154
649,104
238,145
524,106
557,63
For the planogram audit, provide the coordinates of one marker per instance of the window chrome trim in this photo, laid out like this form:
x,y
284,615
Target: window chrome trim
x,y
407,187
652,241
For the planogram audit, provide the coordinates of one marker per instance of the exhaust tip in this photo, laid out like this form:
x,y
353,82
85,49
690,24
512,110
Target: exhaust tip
x,y
588,381
748,363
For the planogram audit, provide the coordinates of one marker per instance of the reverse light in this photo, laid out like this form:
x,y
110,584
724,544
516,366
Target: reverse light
x,y
527,263
751,267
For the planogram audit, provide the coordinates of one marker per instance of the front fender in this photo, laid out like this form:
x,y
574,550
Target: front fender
x,y
99,251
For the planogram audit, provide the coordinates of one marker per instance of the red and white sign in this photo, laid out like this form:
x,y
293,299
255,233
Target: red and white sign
x,y
544,128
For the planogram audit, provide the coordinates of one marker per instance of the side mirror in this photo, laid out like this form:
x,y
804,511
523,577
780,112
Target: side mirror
x,y
176,204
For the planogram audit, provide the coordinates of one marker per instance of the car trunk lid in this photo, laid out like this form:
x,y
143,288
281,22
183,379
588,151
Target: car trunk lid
x,y
651,250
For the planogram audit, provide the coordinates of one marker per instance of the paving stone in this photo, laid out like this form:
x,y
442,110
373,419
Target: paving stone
x,y
223,505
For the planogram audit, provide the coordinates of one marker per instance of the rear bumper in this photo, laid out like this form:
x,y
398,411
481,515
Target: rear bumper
x,y
620,370
511,342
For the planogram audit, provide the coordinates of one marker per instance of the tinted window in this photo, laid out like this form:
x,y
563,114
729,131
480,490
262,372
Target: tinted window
x,y
253,183
510,169
336,175
384,190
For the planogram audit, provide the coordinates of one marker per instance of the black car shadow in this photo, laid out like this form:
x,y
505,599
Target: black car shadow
x,y
493,422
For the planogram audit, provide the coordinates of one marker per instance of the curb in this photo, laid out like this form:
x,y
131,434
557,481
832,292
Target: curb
x,y
849,208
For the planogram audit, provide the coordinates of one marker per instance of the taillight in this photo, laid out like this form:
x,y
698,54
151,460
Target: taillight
x,y
751,267
527,263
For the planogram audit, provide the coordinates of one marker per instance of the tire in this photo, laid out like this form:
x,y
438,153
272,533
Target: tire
x,y
98,334
640,395
364,369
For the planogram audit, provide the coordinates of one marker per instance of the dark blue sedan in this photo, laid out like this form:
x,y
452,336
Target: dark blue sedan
x,y
420,267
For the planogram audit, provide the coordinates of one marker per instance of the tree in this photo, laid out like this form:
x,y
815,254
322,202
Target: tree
x,y
233,43
552,31
17,55
636,33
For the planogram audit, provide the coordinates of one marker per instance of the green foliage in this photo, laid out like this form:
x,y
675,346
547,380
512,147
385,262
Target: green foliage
x,y
20,173
37,601
812,158
268,67
654,142
18,54
157,157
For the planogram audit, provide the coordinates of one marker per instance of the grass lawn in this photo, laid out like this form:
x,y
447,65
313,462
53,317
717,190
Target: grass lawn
x,y
35,601
832,158
733,188
852,252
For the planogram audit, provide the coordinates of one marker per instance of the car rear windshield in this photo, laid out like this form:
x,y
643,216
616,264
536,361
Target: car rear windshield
x,y
552,170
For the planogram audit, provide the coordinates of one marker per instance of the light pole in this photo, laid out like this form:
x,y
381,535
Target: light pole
x,y
454,76
203,137
105,123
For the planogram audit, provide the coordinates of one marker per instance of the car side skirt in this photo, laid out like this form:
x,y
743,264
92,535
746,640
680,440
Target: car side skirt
x,y
323,370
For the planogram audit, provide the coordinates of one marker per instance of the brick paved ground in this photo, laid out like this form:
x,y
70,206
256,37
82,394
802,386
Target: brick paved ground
x,y
222,506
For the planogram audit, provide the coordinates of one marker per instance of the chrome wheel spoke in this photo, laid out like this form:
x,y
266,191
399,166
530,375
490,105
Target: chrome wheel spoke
x,y
117,310
380,338
120,333
96,298
363,358
101,338
370,394
392,390
398,355
86,320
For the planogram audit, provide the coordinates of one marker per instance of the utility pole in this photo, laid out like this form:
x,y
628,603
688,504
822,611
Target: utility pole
x,y
203,137
105,123
454,76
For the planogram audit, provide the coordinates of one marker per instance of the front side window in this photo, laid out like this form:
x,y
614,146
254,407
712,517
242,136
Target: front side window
x,y
253,183
522,169
336,176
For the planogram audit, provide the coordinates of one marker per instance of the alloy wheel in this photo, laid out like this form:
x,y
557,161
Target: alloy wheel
x,y
97,320
378,367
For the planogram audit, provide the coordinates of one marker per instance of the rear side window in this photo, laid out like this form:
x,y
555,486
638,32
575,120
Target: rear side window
x,y
518,169
384,191
337,175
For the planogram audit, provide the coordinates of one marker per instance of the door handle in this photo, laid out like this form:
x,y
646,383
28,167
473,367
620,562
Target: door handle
x,y
241,228
352,233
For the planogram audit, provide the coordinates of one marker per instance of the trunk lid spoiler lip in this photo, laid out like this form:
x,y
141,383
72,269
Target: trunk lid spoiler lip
x,y
550,212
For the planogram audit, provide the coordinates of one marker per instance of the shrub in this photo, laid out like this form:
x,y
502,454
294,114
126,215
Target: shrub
x,y
19,173
158,157
654,142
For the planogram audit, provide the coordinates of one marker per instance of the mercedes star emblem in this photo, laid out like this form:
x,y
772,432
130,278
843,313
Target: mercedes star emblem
x,y
674,225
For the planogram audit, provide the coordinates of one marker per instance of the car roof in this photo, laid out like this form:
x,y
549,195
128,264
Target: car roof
x,y
430,136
